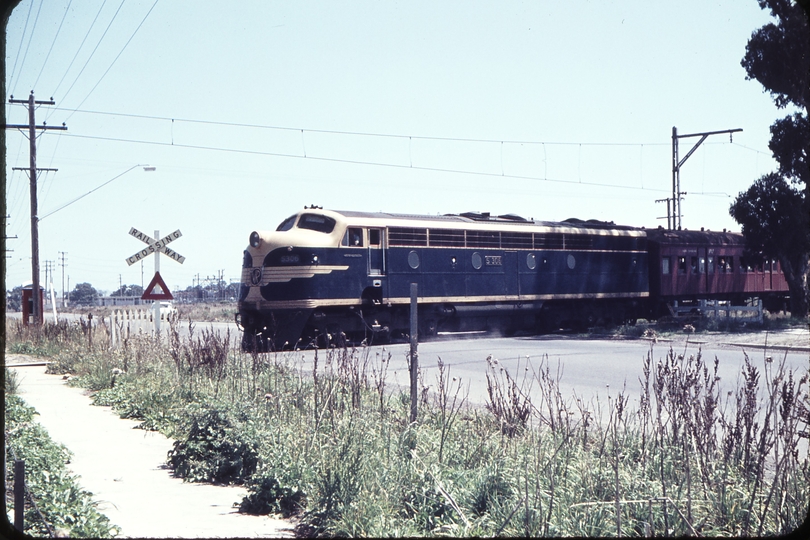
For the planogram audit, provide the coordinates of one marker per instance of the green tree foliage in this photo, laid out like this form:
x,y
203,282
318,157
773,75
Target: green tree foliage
x,y
128,290
776,225
83,294
774,215
14,299
778,54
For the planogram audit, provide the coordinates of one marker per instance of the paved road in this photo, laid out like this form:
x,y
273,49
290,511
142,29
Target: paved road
x,y
125,470
589,368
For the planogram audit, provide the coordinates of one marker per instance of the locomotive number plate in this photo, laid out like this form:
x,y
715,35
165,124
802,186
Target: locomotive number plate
x,y
493,260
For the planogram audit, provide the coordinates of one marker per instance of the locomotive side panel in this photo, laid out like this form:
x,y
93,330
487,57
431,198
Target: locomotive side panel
x,y
323,274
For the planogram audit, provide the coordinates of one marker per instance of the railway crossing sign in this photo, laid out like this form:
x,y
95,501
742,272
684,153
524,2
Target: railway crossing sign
x,y
155,245
157,289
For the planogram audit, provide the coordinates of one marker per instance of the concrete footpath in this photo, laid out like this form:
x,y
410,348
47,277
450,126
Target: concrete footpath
x,y
124,468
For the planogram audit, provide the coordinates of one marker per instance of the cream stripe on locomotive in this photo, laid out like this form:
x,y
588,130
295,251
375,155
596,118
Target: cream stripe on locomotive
x,y
258,277
461,300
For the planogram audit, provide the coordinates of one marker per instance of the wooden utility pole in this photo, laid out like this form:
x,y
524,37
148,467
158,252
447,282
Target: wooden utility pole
x,y
32,176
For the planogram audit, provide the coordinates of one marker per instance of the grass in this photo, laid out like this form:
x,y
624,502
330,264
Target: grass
x,y
332,445
223,311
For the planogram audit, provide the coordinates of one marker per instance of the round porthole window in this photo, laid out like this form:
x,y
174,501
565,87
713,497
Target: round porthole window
x,y
572,262
531,261
413,260
477,261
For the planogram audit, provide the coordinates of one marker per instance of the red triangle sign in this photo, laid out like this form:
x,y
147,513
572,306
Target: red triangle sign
x,y
157,283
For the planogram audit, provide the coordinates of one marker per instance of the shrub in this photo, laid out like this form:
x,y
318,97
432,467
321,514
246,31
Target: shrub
x,y
267,496
217,447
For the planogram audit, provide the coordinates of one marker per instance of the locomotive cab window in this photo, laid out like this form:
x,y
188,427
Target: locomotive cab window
x,y
353,237
287,224
316,222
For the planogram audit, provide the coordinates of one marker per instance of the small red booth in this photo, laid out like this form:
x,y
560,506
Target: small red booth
x,y
28,302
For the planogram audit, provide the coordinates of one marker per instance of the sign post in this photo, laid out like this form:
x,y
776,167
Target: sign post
x,y
156,245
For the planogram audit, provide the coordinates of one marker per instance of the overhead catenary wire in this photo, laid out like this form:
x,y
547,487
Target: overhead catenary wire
x,y
31,35
356,133
94,50
116,58
359,162
58,30
81,45
22,39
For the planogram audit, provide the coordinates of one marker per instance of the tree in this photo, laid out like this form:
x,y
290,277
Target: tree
x,y
776,225
14,299
128,290
772,213
84,295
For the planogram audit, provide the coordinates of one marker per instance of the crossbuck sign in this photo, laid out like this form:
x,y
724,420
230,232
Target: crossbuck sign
x,y
155,245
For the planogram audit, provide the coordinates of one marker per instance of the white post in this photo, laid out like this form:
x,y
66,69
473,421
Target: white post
x,y
53,304
156,305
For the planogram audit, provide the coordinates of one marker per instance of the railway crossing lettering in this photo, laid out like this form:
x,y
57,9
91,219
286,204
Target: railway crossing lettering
x,y
155,246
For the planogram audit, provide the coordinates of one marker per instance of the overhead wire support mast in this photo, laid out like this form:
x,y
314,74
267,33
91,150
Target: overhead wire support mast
x,y
32,138
676,169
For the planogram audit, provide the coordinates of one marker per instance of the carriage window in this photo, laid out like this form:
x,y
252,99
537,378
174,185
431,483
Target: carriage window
x,y
665,265
681,265
711,265
316,222
693,265
287,224
702,265
354,237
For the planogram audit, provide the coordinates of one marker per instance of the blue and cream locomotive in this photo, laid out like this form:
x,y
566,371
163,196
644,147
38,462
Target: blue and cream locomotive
x,y
324,276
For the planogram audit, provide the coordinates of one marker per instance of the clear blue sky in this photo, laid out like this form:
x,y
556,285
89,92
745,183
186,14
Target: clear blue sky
x,y
546,109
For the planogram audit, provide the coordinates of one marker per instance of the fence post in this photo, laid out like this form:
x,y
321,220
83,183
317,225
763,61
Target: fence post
x,y
414,353
113,318
19,494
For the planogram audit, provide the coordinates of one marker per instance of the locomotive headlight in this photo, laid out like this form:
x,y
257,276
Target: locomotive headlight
x,y
255,239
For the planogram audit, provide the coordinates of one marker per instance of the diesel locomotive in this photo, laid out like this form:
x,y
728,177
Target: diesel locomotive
x,y
325,278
